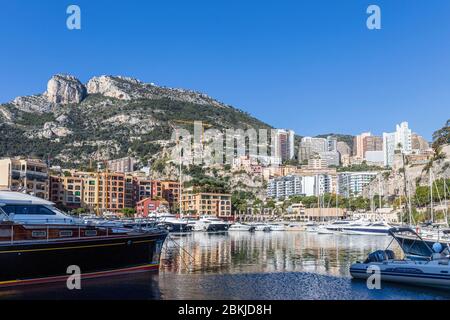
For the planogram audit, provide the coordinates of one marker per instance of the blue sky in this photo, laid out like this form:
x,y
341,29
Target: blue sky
x,y
309,65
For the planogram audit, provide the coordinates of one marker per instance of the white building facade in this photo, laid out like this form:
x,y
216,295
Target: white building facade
x,y
295,185
352,183
400,140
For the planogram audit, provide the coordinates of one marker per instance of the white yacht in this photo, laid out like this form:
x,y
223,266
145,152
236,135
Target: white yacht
x,y
337,226
312,227
375,229
210,223
172,223
241,227
423,265
24,208
295,227
323,229
278,227
262,227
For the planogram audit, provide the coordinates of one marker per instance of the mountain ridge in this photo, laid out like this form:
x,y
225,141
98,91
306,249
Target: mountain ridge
x,y
108,117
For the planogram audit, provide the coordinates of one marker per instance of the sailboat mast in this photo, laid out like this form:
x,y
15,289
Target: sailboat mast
x,y
431,197
379,191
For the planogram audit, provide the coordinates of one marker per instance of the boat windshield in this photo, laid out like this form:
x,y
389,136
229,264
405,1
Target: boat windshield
x,y
410,242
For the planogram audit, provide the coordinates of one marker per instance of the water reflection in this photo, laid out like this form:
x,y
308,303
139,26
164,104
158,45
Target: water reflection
x,y
259,266
232,253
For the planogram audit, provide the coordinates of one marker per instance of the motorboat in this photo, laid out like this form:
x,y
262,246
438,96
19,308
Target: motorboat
x,y
430,238
210,224
241,227
173,224
278,227
38,243
295,227
262,227
422,265
323,229
375,229
337,226
312,227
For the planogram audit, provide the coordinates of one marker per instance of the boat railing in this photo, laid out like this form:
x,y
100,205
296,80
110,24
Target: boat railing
x,y
18,234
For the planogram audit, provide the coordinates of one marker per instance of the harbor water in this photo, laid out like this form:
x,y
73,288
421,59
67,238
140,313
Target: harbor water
x,y
243,265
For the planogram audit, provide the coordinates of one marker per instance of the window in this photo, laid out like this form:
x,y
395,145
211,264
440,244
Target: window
x,y
90,233
39,234
28,209
65,234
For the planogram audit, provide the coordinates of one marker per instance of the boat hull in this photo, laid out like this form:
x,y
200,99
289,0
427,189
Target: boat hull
x,y
422,276
366,232
177,227
39,262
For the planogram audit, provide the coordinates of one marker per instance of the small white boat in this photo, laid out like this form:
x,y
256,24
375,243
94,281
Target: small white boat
x,y
295,227
241,227
323,229
262,227
278,227
312,227
422,265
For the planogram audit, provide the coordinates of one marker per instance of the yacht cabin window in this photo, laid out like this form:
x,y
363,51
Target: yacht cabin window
x,y
28,210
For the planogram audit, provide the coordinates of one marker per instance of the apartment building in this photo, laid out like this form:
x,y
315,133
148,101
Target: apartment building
x,y
66,191
123,165
284,187
296,185
311,146
96,191
167,190
284,144
352,183
204,203
25,175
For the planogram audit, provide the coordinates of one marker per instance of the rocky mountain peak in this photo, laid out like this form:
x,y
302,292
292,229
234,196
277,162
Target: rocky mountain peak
x,y
126,88
65,89
114,87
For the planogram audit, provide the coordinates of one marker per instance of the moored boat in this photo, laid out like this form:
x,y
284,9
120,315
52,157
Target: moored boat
x,y
373,229
241,227
210,224
295,227
422,265
262,227
278,227
38,243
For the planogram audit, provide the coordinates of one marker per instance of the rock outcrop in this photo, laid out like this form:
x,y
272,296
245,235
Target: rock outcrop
x,y
65,89
36,103
125,88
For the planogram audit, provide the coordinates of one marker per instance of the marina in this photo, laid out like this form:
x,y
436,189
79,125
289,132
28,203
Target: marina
x,y
245,265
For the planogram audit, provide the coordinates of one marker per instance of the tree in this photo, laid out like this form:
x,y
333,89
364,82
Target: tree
x,y
442,136
79,211
128,212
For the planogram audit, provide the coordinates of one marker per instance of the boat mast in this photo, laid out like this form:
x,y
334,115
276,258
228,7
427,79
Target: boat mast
x,y
379,191
179,187
431,197
445,202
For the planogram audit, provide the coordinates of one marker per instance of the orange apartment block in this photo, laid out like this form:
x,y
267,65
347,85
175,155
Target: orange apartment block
x,y
203,203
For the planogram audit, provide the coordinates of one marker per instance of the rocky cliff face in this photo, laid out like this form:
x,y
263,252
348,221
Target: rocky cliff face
x,y
65,89
125,88
109,117
392,182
